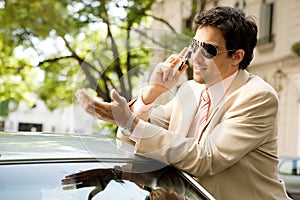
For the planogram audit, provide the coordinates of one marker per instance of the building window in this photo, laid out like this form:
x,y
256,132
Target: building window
x,y
2,125
30,127
240,4
266,35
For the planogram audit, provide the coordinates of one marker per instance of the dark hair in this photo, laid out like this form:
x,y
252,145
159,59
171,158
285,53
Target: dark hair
x,y
239,31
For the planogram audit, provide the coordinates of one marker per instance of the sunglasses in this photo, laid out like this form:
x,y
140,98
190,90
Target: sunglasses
x,y
209,51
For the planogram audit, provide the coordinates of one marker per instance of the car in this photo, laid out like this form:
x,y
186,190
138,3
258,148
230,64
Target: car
x,y
72,166
289,172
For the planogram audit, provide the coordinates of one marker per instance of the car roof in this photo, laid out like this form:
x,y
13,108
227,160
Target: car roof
x,y
61,153
37,147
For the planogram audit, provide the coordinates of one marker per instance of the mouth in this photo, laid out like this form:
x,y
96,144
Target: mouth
x,y
199,67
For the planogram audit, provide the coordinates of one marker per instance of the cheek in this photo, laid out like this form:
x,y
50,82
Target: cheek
x,y
221,65
216,69
213,66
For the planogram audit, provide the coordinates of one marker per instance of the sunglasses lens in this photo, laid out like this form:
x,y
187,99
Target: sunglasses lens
x,y
208,50
195,46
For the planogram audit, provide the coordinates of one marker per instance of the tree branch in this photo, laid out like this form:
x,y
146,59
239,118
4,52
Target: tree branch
x,y
163,21
54,59
144,34
85,65
117,63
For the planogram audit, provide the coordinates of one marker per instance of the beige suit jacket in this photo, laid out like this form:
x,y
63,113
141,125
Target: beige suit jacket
x,y
237,155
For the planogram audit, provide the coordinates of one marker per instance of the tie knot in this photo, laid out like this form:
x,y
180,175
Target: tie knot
x,y
204,95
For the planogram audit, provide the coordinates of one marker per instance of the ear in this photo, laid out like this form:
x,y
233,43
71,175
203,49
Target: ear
x,y
238,56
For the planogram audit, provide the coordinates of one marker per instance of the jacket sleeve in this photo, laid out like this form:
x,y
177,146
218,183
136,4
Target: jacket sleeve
x,y
158,115
247,123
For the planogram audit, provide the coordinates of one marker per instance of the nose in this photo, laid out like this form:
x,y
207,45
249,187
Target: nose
x,y
197,56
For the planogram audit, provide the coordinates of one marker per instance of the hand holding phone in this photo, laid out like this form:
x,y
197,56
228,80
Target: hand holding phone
x,y
187,56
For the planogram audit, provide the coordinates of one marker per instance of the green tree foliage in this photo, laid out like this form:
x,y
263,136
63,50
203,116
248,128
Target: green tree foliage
x,y
94,44
75,43
16,78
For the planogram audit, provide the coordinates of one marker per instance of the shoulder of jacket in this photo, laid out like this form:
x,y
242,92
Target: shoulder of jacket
x,y
261,83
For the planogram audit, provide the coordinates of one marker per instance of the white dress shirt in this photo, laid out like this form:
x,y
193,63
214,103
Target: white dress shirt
x,y
216,93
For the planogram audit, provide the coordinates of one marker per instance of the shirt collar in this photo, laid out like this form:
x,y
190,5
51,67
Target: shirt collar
x,y
217,91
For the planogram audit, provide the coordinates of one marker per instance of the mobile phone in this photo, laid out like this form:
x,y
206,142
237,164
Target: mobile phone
x,y
187,56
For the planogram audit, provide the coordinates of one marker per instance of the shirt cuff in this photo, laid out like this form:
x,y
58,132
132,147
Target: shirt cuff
x,y
139,107
138,132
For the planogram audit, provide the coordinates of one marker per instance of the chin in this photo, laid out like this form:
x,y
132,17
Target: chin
x,y
198,79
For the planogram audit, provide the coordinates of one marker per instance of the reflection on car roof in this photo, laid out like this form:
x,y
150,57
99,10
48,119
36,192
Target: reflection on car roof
x,y
41,146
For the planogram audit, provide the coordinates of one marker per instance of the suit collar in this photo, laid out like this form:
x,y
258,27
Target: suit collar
x,y
239,81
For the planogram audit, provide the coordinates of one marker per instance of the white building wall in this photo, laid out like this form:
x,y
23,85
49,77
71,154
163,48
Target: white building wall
x,y
267,60
173,11
70,119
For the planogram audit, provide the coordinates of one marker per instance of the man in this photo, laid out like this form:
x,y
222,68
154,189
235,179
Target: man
x,y
220,127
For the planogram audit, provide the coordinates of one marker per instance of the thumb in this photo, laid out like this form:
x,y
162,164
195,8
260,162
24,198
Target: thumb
x,y
183,51
117,97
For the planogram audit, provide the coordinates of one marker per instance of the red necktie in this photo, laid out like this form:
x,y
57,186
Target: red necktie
x,y
204,109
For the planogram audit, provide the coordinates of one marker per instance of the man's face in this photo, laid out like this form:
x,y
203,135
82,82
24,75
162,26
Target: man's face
x,y
212,71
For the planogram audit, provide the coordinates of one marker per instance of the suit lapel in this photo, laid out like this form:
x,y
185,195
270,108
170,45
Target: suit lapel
x,y
238,82
188,100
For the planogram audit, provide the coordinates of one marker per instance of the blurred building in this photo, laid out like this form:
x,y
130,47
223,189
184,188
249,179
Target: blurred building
x,y
39,119
279,27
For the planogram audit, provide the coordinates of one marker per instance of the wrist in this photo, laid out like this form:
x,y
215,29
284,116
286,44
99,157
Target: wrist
x,y
151,94
130,124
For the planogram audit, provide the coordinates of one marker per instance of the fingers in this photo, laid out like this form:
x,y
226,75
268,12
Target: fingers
x,y
183,69
94,107
116,112
167,71
87,102
117,97
183,51
120,109
83,98
170,59
80,94
176,60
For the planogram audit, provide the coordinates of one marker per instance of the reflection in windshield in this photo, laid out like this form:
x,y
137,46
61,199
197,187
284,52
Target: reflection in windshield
x,y
114,183
122,190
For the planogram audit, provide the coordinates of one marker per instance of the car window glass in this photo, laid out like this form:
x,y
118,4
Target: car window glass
x,y
44,181
298,167
286,167
290,167
166,182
